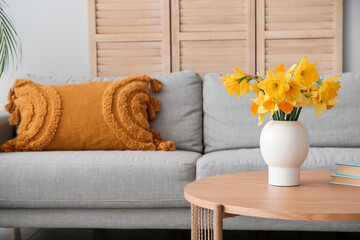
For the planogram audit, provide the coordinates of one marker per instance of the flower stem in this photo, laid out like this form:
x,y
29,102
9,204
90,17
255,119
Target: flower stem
x,y
292,115
274,117
298,114
282,114
287,117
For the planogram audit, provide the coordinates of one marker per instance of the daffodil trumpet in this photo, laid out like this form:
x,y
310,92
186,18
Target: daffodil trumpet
x,y
283,93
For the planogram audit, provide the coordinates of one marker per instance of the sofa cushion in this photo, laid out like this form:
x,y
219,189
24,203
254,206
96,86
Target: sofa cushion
x,y
7,131
95,179
180,117
228,123
62,117
245,160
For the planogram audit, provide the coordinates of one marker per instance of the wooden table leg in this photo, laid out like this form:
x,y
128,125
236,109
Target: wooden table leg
x,y
194,223
16,234
218,222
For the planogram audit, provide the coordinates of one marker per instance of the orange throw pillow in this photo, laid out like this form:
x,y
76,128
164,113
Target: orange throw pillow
x,y
87,116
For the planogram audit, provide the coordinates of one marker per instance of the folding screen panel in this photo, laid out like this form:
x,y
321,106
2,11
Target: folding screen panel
x,y
212,35
129,37
133,37
288,30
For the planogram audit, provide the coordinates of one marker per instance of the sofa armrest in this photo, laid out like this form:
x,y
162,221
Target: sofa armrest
x,y
7,131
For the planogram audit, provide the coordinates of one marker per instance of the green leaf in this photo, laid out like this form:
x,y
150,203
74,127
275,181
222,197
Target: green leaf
x,y
10,45
240,79
320,83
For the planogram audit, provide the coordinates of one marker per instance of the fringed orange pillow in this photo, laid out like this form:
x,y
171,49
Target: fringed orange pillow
x,y
87,116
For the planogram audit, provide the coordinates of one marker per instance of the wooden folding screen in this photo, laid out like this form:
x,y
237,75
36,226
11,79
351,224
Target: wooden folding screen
x,y
288,30
129,37
213,35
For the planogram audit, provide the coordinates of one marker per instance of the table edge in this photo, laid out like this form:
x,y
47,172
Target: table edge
x,y
265,213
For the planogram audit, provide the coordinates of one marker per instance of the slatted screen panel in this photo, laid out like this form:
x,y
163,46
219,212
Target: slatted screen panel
x,y
289,30
129,37
213,36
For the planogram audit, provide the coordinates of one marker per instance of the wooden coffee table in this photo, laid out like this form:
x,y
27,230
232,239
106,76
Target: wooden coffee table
x,y
249,194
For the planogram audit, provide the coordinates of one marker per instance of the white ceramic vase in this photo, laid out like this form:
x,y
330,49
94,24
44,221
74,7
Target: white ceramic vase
x,y
284,146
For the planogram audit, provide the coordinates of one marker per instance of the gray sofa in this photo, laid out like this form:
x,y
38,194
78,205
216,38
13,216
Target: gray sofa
x,y
214,134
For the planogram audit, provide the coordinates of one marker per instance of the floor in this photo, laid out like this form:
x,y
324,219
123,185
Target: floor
x,y
86,234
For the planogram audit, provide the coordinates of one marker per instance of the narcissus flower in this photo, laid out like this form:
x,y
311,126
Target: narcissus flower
x,y
232,84
275,85
267,104
328,90
327,96
257,107
255,88
297,99
236,83
254,108
239,71
280,68
286,107
306,73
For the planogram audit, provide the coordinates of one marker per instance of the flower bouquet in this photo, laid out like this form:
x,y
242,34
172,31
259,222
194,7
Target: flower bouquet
x,y
284,93
284,142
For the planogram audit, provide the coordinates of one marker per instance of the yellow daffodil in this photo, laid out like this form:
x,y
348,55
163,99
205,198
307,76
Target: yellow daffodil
x,y
255,88
286,107
275,85
245,87
231,84
296,99
306,73
235,83
257,107
268,105
327,96
290,71
312,95
261,118
254,108
328,90
293,82
258,102
240,72
320,106
280,68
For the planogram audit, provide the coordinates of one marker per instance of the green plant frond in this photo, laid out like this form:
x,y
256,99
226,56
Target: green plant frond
x,y
10,46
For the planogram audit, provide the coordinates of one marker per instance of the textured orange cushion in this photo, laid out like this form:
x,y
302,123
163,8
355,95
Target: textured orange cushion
x,y
87,116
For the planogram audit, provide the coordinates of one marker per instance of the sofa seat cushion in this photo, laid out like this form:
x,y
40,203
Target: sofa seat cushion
x,y
244,160
95,179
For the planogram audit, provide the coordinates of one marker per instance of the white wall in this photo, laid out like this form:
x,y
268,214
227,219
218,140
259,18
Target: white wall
x,y
54,34
351,40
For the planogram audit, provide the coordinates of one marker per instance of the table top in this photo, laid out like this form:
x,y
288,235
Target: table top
x,y
249,194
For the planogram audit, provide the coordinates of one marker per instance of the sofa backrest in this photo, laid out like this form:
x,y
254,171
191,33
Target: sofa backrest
x,y
228,123
180,117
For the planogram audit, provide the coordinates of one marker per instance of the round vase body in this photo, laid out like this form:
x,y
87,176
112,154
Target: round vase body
x,y
284,146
